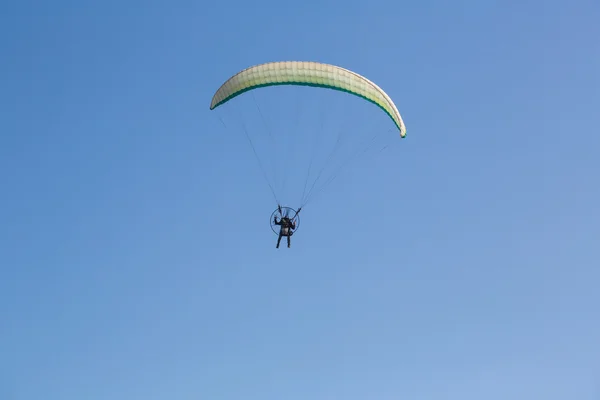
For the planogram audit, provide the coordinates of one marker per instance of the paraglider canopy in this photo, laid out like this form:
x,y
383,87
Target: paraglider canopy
x,y
307,73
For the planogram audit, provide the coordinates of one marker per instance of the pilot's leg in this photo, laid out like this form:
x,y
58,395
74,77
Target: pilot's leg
x,y
278,240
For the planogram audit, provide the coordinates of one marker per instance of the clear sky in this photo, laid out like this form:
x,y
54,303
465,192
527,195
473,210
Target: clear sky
x,y
136,256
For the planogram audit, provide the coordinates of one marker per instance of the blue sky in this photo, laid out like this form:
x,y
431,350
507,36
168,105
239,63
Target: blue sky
x,y
135,254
